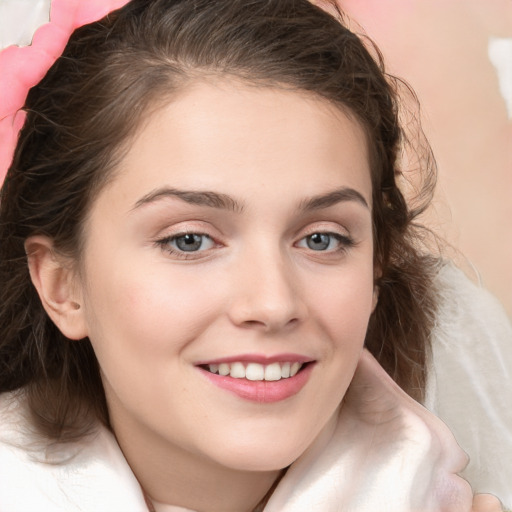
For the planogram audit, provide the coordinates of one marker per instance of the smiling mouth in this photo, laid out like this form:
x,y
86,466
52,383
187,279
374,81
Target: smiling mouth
x,y
255,371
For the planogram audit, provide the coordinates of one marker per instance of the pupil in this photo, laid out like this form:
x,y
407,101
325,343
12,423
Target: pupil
x,y
318,241
189,242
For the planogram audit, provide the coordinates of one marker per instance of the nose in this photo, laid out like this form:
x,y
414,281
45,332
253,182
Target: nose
x,y
266,293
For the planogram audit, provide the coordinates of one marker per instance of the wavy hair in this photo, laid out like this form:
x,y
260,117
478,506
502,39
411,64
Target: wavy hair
x,y
81,117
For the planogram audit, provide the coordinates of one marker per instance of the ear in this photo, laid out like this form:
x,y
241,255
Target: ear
x,y
375,298
56,283
377,274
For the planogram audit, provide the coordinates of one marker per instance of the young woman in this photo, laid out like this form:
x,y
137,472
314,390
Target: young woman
x,y
202,241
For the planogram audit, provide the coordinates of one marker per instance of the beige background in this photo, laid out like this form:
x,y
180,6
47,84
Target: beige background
x,y
441,47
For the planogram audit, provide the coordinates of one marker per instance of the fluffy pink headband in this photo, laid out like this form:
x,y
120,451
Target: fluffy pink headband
x,y
22,68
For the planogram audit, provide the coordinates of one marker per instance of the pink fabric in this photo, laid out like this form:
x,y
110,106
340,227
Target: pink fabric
x,y
22,68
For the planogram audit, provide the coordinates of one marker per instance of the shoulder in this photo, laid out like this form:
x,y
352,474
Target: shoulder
x,y
91,475
466,304
472,332
470,378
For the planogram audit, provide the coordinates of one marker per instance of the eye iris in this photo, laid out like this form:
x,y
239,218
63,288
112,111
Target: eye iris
x,y
189,242
318,241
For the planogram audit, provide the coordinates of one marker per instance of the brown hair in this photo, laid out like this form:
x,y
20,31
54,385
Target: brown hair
x,y
81,117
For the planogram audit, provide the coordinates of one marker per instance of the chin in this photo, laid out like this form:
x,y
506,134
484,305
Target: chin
x,y
269,445
269,455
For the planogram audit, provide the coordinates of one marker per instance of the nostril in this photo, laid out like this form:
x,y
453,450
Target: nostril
x,y
269,324
253,324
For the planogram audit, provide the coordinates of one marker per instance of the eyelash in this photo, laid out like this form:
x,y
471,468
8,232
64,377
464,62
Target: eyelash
x,y
165,244
345,243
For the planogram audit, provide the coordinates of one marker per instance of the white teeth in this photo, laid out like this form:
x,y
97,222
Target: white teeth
x,y
294,369
237,371
224,369
273,372
285,370
256,371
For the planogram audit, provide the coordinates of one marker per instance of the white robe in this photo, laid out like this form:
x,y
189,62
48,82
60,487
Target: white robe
x,y
470,388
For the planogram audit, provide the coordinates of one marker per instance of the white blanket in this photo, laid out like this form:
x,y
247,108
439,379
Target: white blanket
x,y
470,387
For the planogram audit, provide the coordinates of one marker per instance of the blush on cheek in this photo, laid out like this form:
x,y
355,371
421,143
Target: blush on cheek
x,y
347,308
159,317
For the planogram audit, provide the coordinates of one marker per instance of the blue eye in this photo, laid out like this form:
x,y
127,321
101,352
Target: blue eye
x,y
187,242
319,241
325,242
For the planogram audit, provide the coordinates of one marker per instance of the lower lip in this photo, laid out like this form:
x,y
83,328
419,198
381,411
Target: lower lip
x,y
262,391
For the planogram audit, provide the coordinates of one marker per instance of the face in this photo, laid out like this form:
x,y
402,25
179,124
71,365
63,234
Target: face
x,y
232,250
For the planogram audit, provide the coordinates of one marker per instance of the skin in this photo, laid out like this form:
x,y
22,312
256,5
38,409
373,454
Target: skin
x,y
284,165
255,287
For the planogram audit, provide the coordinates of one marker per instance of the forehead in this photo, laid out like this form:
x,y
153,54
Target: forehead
x,y
239,137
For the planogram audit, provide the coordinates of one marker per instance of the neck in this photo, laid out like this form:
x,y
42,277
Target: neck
x,y
209,491
174,476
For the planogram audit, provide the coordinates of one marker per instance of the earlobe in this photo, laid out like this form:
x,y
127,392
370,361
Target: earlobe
x,y
55,281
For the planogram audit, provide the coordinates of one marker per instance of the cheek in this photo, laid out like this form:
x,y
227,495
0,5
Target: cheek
x,y
344,304
140,327
149,311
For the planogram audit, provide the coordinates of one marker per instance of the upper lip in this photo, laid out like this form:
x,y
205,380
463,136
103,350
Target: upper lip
x,y
259,358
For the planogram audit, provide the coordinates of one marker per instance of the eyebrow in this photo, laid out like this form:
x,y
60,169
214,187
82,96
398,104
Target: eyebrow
x,y
225,202
201,198
339,195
